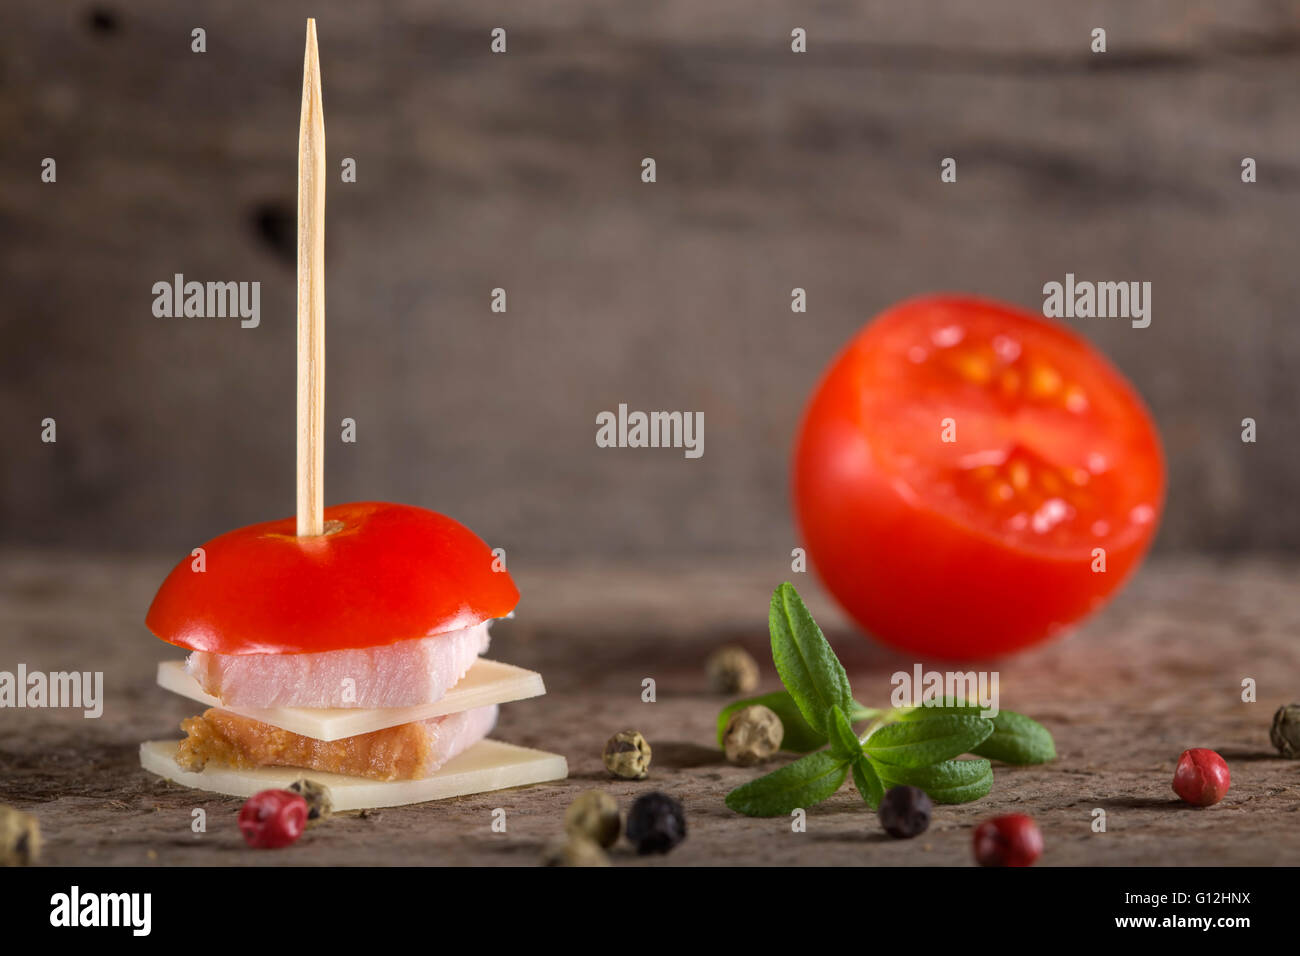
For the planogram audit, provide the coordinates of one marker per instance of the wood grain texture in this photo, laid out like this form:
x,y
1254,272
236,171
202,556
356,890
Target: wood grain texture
x,y
1157,672
311,295
521,172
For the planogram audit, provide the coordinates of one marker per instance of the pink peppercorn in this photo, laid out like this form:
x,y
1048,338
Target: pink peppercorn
x,y
1011,840
273,819
1202,777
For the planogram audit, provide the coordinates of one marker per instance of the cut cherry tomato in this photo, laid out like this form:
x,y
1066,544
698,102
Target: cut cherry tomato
x,y
970,478
381,573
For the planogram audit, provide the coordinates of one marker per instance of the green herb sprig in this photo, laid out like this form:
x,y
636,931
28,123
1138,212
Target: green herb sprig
x,y
917,746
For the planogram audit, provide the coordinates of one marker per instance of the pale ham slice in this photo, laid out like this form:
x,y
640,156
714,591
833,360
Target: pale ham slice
x,y
406,752
488,765
403,674
488,682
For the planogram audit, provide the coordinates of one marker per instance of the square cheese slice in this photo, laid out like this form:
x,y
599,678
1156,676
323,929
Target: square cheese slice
x,y
487,682
488,765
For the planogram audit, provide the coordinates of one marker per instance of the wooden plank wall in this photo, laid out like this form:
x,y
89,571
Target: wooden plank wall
x,y
521,171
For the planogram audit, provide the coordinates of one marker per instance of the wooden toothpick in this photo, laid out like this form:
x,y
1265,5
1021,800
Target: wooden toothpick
x,y
311,296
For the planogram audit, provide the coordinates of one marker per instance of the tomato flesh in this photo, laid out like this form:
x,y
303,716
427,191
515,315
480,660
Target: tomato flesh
x,y
964,471
381,573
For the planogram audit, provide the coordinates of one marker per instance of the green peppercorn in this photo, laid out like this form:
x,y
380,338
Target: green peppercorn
x,y
20,838
574,850
732,670
1285,732
753,735
627,755
594,815
319,805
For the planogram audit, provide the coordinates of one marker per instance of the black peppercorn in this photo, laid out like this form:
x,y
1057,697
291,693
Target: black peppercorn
x,y
905,812
656,823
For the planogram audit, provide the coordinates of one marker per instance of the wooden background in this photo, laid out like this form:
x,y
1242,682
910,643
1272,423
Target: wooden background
x,y
1157,672
522,171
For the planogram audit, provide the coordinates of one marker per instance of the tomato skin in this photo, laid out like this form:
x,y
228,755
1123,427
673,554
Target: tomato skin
x,y
385,573
918,578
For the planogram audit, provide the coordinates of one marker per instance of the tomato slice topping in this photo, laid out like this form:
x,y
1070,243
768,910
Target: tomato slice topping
x,y
956,440
381,573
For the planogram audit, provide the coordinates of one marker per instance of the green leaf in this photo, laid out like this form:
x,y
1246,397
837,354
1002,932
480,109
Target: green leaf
x,y
926,711
844,742
858,713
923,742
799,737
952,781
808,667
807,781
868,782
1017,739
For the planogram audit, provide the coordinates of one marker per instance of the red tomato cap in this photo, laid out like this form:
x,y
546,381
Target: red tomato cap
x,y
381,573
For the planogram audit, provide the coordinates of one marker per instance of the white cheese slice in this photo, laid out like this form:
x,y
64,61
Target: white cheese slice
x,y
487,682
488,765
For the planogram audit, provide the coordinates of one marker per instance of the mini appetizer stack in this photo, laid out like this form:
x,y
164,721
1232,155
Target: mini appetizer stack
x,y
345,647
352,657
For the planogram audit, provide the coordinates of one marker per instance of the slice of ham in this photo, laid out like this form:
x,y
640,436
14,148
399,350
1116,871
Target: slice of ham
x,y
405,752
416,671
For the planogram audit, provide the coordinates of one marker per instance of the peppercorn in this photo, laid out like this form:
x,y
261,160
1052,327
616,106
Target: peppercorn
x,y
627,755
1202,777
905,812
732,670
574,850
319,805
753,734
1011,840
1285,732
20,838
594,815
656,823
273,819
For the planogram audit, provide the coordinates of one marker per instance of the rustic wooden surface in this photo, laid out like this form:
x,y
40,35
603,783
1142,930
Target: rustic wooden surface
x,y
521,171
1157,672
